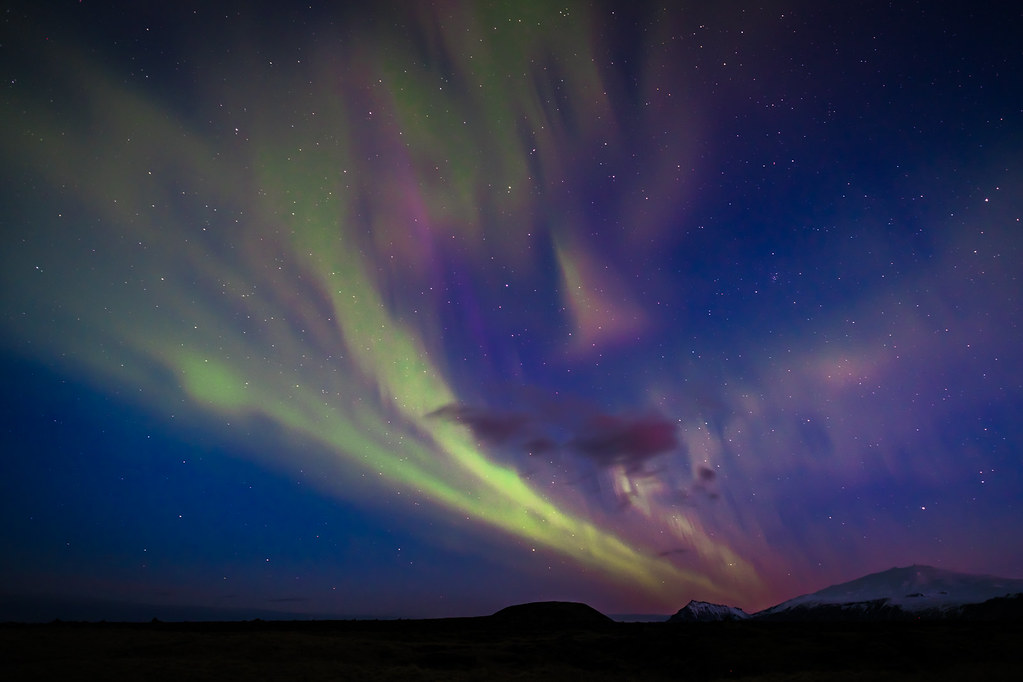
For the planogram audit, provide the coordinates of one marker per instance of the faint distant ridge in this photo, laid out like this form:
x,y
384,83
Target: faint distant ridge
x,y
912,592
551,615
705,612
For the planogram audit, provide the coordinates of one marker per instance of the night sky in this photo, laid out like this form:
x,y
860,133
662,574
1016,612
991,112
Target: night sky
x,y
428,308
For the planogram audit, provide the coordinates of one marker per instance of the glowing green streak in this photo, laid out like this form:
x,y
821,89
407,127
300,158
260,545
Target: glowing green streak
x,y
327,361
215,383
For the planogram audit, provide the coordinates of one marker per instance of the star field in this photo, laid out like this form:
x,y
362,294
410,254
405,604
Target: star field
x,y
429,308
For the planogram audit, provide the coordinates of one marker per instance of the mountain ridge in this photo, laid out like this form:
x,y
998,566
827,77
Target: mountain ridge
x,y
705,612
911,589
900,593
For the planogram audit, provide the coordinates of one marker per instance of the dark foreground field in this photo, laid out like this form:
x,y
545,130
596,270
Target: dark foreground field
x,y
483,648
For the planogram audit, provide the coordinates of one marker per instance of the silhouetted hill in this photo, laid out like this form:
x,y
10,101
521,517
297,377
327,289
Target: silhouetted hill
x,y
999,608
552,614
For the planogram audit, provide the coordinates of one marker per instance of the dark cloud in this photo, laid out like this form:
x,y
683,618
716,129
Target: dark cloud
x,y
706,474
489,426
629,441
604,439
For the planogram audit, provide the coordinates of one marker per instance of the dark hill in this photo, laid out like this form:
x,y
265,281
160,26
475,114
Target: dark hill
x,y
551,614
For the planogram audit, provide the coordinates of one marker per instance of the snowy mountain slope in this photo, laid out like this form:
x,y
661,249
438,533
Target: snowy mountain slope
x,y
703,612
912,589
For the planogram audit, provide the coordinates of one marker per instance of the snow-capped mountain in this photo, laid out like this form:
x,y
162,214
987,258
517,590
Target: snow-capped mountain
x,y
703,612
897,592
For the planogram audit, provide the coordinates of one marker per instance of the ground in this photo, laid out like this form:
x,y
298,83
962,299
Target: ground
x,y
482,648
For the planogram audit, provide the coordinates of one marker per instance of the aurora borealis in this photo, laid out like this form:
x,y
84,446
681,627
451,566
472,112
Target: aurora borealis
x,y
430,308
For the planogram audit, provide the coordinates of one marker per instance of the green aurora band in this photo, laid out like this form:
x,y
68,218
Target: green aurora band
x,y
272,257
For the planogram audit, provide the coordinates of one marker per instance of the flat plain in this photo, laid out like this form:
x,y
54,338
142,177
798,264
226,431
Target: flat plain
x,y
485,648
